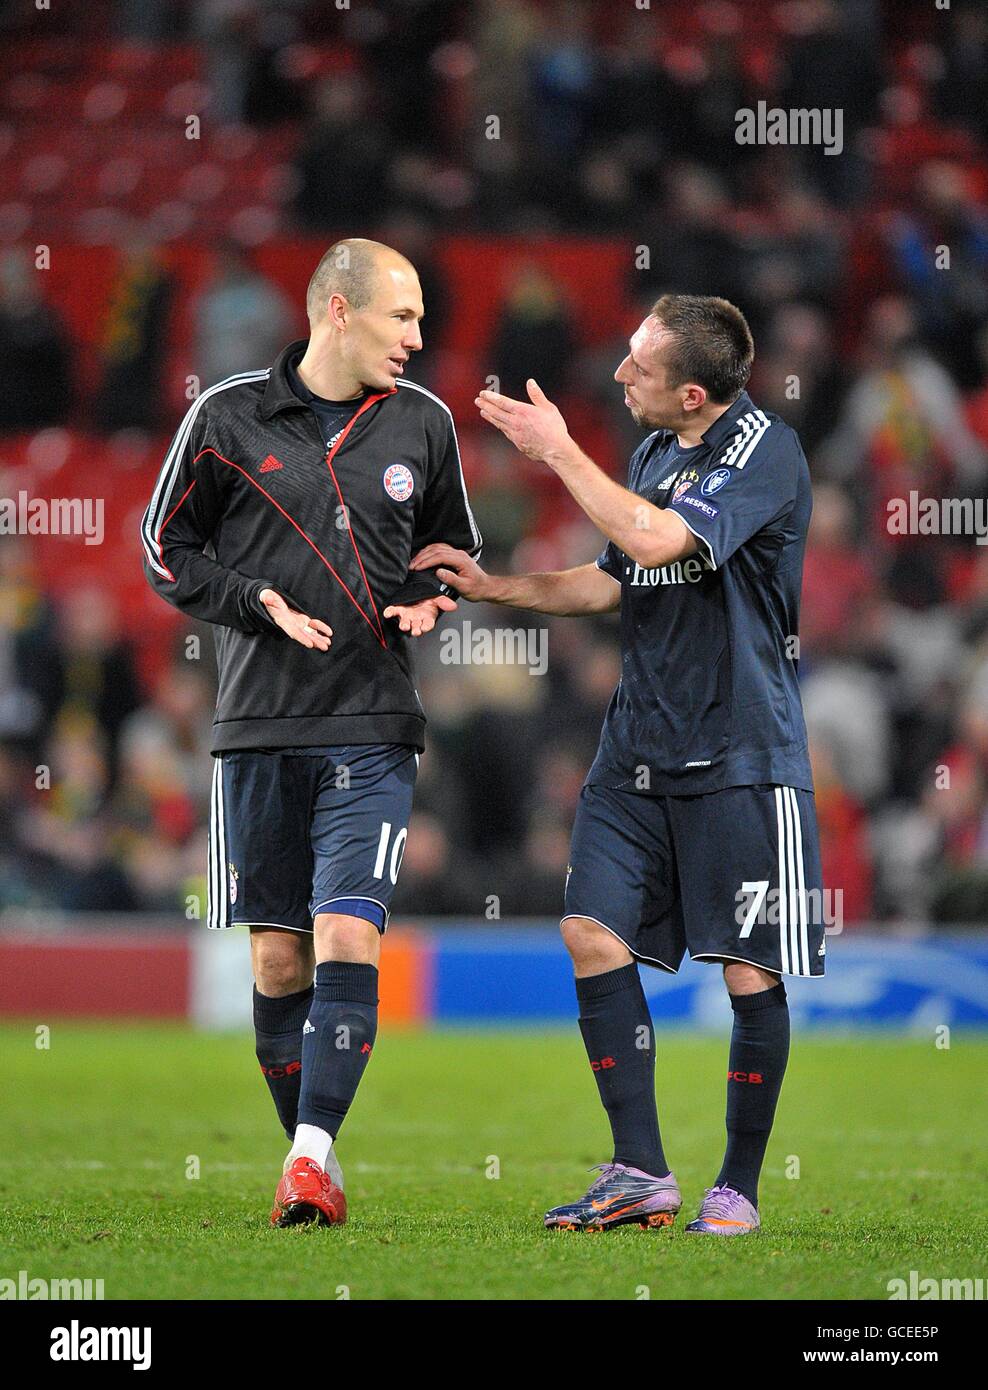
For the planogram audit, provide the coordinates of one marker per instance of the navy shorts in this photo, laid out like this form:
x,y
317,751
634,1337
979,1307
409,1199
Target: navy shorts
x,y
298,831
732,875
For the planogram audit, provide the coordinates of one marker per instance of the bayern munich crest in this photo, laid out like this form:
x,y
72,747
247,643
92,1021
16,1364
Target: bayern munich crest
x,y
398,482
684,485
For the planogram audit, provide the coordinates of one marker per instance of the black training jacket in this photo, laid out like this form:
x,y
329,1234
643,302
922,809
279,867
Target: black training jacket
x,y
248,499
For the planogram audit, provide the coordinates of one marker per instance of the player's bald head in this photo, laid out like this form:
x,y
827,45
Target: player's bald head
x,y
353,268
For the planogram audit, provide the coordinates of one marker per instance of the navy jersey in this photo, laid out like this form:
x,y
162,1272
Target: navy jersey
x,y
709,695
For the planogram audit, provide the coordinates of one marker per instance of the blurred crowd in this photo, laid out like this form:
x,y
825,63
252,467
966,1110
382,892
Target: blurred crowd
x,y
867,343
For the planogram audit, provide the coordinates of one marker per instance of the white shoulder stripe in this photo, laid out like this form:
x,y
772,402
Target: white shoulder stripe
x,y
750,429
414,386
155,514
737,440
761,426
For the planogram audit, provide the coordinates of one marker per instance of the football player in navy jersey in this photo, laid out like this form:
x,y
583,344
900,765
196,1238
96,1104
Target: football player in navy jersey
x,y
696,829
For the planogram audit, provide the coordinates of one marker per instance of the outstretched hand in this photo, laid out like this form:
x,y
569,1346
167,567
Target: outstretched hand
x,y
536,429
420,618
309,632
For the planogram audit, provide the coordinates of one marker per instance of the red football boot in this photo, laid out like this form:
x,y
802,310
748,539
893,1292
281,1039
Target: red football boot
x,y
307,1194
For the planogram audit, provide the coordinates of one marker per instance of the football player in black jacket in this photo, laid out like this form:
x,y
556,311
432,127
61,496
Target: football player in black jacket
x,y
286,513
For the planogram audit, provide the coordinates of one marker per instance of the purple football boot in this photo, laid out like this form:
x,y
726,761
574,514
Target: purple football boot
x,y
621,1196
725,1212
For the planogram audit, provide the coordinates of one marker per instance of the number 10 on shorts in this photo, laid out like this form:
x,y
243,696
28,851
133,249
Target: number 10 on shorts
x,y
397,850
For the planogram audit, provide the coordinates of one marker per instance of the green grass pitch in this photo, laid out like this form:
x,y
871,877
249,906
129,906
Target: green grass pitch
x,y
100,1130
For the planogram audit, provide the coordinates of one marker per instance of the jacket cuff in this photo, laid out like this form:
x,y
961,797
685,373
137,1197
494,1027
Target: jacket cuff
x,y
259,610
420,585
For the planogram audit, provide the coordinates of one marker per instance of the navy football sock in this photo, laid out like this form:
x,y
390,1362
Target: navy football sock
x,y
337,1045
617,1032
759,1052
278,1036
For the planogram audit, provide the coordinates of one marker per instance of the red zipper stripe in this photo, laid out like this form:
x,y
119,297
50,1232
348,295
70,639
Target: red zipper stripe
x,y
371,400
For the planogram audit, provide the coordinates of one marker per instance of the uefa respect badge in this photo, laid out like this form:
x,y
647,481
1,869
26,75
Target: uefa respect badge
x,y
398,482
